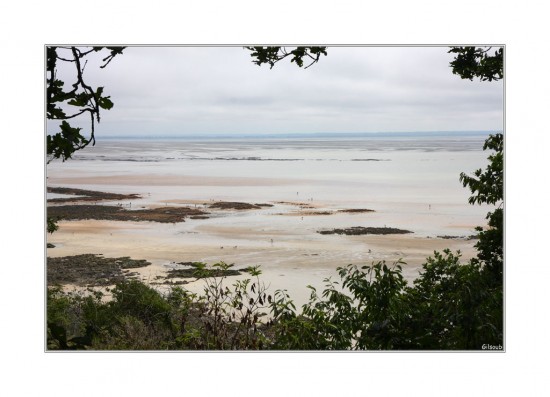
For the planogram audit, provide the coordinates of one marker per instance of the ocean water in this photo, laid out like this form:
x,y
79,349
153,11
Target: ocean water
x,y
402,177
410,181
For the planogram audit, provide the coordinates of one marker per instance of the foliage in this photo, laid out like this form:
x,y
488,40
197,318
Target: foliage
x,y
51,225
469,62
487,188
467,299
453,306
473,62
81,98
490,245
367,318
136,299
86,318
140,318
272,55
230,316
65,329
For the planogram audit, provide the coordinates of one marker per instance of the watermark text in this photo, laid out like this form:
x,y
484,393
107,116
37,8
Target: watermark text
x,y
487,346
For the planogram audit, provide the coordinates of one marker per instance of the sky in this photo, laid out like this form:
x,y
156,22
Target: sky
x,y
182,91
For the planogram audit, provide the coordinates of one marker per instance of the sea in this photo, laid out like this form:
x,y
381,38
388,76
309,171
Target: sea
x,y
409,180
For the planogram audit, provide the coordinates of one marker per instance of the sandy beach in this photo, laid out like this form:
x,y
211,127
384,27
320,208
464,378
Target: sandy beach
x,y
288,204
282,240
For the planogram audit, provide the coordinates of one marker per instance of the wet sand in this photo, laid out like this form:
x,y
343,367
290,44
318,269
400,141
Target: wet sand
x,y
306,197
290,259
172,180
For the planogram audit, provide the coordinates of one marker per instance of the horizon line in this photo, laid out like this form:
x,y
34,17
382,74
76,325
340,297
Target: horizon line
x,y
211,135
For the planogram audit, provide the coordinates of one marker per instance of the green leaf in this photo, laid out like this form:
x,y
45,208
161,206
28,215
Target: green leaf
x,y
105,103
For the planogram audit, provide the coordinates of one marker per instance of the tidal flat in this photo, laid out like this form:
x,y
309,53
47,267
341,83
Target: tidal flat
x,y
238,202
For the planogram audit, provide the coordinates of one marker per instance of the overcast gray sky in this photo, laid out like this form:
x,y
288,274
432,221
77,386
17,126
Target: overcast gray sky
x,y
169,91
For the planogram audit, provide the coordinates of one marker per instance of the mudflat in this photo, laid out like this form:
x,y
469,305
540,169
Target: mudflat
x,y
163,241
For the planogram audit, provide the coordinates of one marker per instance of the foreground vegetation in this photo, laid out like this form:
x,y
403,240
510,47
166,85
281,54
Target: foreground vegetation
x,y
450,306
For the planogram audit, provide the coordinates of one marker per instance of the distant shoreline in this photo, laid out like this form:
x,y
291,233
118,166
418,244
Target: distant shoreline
x,y
313,135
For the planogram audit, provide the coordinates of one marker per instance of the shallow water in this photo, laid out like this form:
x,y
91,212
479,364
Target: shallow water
x,y
412,183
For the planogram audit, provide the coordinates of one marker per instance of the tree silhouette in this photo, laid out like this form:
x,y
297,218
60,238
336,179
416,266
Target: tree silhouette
x,y
79,99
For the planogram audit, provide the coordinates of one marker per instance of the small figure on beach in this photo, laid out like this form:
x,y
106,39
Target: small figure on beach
x,y
271,241
429,206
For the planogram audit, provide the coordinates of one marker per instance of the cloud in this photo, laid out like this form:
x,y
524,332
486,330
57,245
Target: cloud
x,y
202,90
